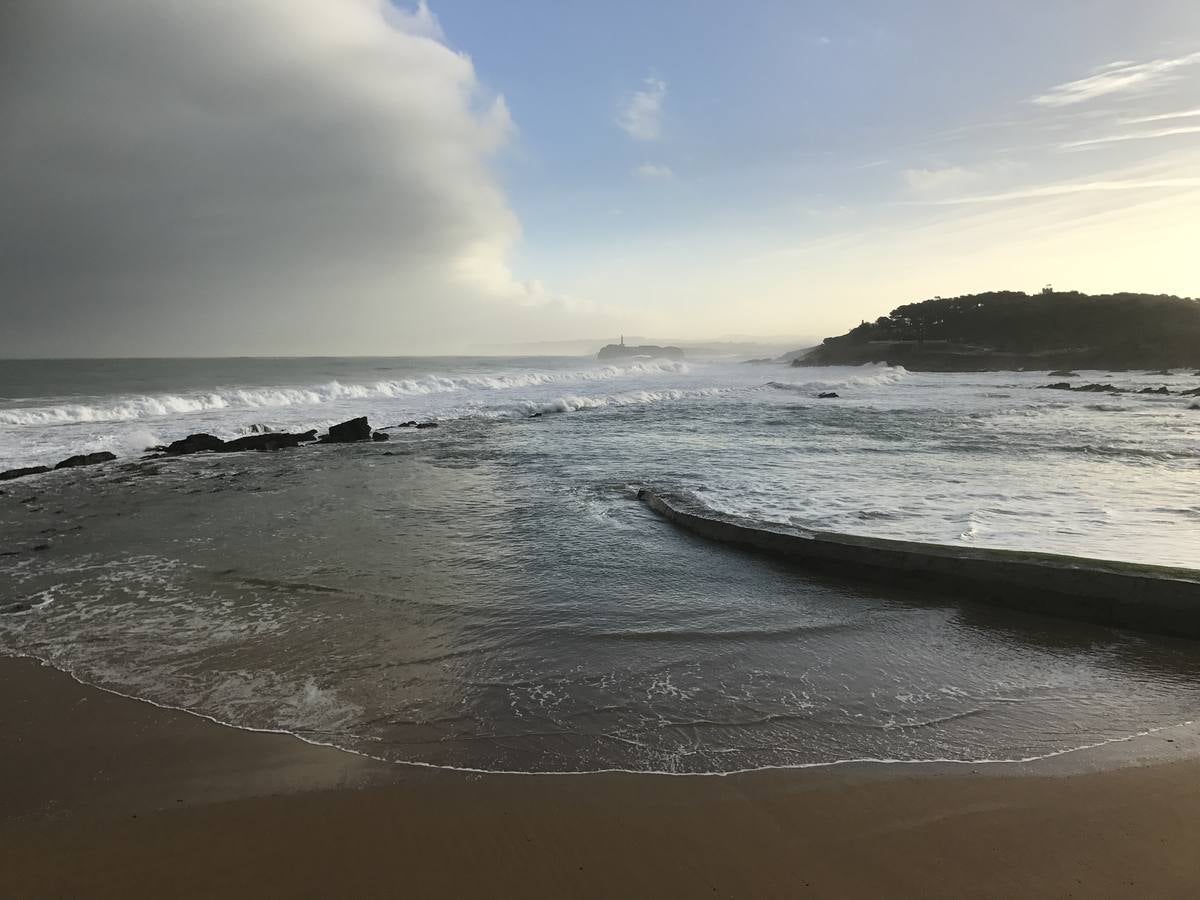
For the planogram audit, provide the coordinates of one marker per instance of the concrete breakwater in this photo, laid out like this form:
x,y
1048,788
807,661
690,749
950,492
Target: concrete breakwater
x,y
1158,599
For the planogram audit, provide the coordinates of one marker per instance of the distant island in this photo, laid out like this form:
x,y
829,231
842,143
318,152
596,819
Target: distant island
x,y
1015,330
625,351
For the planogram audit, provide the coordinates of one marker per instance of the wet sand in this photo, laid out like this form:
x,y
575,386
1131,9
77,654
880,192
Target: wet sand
x,y
102,796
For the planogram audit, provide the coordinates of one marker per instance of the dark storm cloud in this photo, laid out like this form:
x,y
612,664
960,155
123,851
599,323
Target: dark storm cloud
x,y
279,176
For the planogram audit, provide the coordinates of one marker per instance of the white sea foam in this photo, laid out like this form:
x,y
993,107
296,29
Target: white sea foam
x,y
575,402
873,376
125,409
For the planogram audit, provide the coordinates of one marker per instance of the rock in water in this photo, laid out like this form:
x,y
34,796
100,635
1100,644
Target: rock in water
x,y
348,432
1057,386
277,440
427,425
21,473
86,459
379,436
194,443
1148,390
827,395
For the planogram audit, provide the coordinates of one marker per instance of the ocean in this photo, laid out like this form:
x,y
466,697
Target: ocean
x,y
489,595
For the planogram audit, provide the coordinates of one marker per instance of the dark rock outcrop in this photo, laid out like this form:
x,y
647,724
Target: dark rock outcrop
x,y
194,443
827,395
427,425
348,432
86,459
21,473
1111,389
379,436
1194,392
268,442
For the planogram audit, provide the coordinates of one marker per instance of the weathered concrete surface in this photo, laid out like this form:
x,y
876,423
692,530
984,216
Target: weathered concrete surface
x,y
1157,599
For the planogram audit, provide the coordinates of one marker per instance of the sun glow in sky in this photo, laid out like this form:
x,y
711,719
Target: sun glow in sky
x,y
356,176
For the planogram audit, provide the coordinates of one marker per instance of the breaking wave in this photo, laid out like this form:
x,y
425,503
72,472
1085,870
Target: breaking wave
x,y
144,407
574,403
880,375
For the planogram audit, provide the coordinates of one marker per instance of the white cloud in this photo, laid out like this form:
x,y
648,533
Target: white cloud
x,y
1077,187
1132,136
653,171
1162,117
932,180
641,116
419,21
1117,77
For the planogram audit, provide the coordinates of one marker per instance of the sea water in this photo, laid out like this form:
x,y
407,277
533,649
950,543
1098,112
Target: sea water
x,y
490,595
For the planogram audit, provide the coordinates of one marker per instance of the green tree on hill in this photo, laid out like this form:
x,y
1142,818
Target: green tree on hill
x,y
1122,328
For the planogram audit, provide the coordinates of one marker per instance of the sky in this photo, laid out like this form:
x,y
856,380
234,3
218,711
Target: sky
x,y
337,177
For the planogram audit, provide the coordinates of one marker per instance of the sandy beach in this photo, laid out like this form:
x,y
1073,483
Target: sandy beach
x,y
104,796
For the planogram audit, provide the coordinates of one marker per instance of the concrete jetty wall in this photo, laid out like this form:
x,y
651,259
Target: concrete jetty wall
x,y
1157,599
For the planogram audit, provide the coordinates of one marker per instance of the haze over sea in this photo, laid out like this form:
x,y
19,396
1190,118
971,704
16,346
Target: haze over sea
x,y
489,595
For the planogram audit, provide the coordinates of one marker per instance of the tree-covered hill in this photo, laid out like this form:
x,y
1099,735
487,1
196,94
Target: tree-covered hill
x,y
1012,329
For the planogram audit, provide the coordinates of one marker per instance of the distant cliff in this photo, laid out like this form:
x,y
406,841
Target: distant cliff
x,y
1014,330
624,351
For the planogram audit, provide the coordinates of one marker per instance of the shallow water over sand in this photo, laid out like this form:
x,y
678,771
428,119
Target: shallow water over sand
x,y
489,595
